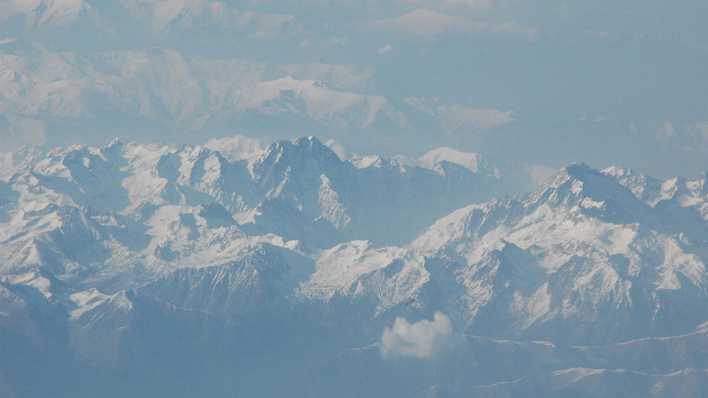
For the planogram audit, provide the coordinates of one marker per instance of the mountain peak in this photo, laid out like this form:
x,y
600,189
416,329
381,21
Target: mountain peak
x,y
298,151
595,193
312,144
578,178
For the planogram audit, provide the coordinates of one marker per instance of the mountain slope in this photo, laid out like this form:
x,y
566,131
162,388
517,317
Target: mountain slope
x,y
80,211
184,272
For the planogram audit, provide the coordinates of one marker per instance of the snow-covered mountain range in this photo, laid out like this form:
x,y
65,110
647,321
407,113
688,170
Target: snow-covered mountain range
x,y
231,269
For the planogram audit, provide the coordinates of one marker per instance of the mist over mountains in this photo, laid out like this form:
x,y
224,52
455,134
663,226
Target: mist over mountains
x,y
550,84
373,198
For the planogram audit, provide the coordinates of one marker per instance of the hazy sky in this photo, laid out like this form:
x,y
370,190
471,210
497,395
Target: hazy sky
x,y
546,82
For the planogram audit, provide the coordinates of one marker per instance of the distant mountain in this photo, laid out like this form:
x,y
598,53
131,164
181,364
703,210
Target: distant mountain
x,y
129,19
145,93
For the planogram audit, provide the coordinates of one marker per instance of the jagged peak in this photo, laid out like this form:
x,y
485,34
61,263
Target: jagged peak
x,y
302,148
579,179
594,192
313,145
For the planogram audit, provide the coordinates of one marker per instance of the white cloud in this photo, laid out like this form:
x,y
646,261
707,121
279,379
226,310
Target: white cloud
x,y
423,339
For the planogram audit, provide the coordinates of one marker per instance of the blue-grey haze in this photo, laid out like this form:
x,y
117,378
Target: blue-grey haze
x,y
533,220
598,82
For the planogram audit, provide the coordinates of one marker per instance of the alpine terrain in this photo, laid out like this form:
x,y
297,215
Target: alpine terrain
x,y
229,269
